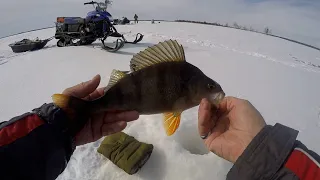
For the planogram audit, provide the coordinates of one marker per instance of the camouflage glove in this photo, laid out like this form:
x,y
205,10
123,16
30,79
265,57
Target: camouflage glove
x,y
125,151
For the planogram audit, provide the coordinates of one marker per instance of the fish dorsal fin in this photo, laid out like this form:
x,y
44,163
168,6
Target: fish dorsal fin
x,y
167,51
171,122
115,76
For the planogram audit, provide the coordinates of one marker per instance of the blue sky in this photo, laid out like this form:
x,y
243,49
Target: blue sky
x,y
297,19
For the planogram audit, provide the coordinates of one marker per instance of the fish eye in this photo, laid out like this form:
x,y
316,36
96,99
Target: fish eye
x,y
211,86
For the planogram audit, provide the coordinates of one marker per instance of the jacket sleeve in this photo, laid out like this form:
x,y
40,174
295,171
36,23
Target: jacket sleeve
x,y
36,145
276,154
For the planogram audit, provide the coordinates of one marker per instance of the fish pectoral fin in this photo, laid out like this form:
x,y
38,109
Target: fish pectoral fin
x,y
115,76
171,122
167,51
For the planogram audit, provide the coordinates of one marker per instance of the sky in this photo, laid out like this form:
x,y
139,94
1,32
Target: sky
x,y
296,19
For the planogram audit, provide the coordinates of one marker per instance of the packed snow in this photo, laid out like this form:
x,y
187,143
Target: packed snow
x,y
279,77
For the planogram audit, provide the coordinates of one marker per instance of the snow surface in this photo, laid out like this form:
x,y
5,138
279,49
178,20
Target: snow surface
x,y
280,78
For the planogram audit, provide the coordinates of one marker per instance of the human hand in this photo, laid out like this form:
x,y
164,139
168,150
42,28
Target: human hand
x,y
100,124
228,131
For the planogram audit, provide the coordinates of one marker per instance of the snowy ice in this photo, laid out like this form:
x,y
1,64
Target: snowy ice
x,y
281,78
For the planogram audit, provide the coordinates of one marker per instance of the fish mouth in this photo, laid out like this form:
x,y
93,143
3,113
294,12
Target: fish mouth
x,y
216,98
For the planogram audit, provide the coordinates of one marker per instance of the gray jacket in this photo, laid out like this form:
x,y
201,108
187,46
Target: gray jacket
x,y
275,154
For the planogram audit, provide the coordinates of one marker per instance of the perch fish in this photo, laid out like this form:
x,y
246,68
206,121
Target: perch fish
x,y
160,81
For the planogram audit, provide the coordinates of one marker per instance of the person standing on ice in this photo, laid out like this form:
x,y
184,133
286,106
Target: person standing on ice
x,y
38,145
136,18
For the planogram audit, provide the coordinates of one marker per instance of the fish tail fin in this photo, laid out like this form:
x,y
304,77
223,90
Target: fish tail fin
x,y
72,106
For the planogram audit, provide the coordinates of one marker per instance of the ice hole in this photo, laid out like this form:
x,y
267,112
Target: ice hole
x,y
189,139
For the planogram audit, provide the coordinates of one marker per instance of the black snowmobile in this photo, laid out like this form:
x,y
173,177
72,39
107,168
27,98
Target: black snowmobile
x,y
122,21
75,31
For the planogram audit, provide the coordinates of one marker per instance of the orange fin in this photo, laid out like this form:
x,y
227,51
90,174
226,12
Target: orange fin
x,y
70,105
171,122
61,100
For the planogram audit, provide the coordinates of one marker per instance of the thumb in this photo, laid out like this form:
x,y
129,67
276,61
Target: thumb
x,y
84,89
205,121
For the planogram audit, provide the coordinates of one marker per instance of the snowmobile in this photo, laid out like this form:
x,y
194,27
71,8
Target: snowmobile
x,y
122,21
76,31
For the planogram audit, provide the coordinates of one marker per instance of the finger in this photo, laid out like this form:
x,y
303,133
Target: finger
x,y
226,105
101,90
96,126
111,128
123,116
205,123
220,128
96,94
83,89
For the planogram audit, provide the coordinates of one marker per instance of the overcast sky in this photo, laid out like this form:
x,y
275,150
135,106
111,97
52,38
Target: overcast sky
x,y
297,19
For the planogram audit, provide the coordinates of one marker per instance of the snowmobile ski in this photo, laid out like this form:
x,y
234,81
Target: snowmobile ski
x,y
139,37
115,33
118,45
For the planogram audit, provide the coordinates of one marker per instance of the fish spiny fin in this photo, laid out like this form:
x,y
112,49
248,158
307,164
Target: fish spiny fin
x,y
166,51
171,122
115,76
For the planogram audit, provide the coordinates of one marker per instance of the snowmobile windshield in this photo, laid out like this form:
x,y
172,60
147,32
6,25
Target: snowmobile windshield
x,y
101,6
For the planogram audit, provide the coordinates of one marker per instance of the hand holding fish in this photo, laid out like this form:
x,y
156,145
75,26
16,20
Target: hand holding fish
x,y
230,130
99,124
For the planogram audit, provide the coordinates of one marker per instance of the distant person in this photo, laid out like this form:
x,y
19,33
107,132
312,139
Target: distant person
x,y
136,18
38,145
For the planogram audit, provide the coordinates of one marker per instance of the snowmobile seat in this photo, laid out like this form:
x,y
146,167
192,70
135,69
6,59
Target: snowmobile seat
x,y
74,20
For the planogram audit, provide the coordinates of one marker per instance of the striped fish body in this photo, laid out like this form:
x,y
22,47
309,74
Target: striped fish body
x,y
156,89
160,81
